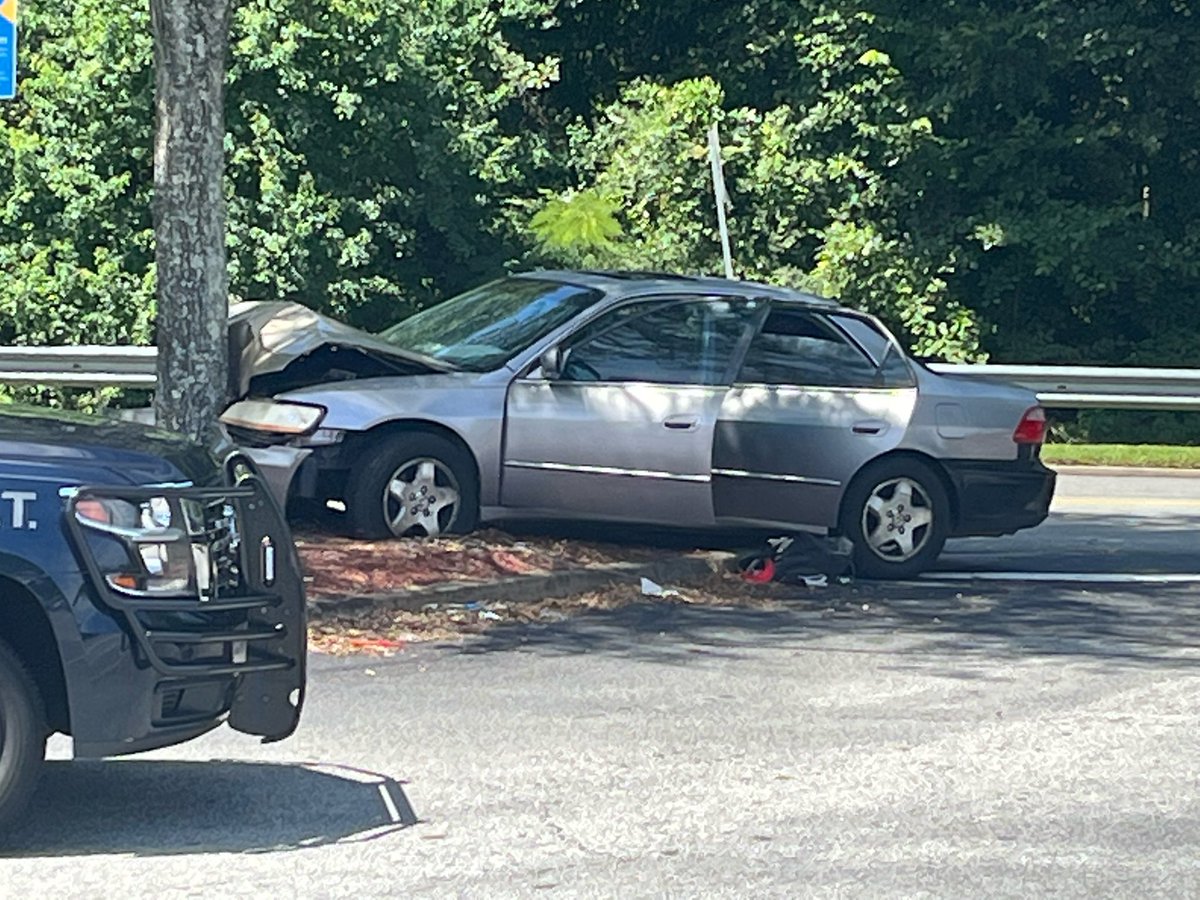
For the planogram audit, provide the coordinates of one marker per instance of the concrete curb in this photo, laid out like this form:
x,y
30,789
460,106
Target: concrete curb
x,y
1125,471
527,588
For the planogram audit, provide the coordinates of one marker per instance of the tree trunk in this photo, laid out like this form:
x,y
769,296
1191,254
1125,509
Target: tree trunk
x,y
191,41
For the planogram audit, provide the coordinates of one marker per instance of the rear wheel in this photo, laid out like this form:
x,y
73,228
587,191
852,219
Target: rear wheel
x,y
897,514
413,485
22,737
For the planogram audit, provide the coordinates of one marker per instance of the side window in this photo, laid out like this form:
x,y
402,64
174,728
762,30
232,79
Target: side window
x,y
798,348
895,371
685,341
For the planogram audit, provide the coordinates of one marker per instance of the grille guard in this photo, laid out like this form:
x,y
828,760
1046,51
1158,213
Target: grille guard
x,y
255,634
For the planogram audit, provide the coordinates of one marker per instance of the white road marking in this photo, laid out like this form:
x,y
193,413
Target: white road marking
x,y
389,803
1073,577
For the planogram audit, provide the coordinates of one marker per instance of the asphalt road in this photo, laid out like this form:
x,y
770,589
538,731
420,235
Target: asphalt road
x,y
1100,525
944,738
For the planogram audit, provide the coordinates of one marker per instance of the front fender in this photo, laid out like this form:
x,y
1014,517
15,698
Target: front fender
x,y
467,405
83,633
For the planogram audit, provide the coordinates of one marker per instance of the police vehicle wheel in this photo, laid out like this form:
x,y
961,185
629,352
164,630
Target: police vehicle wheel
x,y
413,485
22,737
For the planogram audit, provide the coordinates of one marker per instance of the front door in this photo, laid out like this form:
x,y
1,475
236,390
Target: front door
x,y
626,431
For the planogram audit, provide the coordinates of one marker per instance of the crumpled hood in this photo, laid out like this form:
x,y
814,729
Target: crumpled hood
x,y
265,337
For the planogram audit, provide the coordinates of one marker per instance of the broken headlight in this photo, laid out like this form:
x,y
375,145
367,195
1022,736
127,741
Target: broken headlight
x,y
274,416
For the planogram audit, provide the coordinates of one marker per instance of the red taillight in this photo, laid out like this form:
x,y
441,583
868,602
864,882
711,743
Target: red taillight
x,y
1032,428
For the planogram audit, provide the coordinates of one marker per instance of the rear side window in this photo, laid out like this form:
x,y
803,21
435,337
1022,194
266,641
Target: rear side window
x,y
895,371
798,348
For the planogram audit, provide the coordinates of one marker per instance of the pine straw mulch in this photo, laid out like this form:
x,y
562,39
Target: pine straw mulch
x,y
387,632
338,566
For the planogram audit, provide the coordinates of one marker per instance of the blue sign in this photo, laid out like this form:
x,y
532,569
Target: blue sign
x,y
8,49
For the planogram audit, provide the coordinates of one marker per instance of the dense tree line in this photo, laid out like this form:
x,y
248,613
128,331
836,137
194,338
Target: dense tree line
x,y
1019,180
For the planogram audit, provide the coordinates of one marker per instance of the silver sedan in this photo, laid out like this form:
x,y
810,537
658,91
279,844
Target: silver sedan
x,y
641,398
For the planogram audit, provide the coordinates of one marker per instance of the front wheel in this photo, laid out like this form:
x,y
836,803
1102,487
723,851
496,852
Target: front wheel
x,y
413,485
22,737
897,514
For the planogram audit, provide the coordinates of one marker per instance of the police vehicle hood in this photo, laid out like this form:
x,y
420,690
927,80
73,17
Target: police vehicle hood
x,y
84,448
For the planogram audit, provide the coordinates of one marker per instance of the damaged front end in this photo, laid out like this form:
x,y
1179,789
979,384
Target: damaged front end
x,y
278,346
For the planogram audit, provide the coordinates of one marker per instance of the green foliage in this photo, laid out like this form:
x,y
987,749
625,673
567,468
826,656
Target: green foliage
x,y
1019,201
1019,179
647,155
812,205
1126,426
75,225
1065,173
1143,456
578,227
373,150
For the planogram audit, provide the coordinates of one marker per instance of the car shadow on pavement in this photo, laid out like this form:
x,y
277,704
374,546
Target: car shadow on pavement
x,y
1114,624
157,807
1127,625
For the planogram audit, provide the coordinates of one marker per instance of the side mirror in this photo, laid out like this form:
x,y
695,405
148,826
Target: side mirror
x,y
552,362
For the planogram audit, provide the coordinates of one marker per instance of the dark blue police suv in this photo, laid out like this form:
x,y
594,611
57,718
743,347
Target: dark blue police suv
x,y
149,592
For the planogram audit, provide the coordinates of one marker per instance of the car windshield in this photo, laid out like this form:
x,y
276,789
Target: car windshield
x,y
486,327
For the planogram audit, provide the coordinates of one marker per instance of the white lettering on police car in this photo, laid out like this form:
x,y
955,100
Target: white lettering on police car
x,y
19,499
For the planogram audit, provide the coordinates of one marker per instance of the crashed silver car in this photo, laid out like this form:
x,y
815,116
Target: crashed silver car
x,y
641,398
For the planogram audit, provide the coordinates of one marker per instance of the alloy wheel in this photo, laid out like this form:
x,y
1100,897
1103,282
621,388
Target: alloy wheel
x,y
421,499
897,520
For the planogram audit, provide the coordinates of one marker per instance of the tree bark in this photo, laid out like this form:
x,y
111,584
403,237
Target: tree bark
x,y
191,43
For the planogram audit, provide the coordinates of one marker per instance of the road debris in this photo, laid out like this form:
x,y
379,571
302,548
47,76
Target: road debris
x,y
801,558
785,569
652,589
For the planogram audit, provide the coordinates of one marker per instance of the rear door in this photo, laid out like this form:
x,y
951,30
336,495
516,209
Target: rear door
x,y
808,408
627,431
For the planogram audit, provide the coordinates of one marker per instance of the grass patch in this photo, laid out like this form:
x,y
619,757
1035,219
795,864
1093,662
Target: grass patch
x,y
1150,456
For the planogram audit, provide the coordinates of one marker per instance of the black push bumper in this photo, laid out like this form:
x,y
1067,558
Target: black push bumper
x,y
1001,497
235,651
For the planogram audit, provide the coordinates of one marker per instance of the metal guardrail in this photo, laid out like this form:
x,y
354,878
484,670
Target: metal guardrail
x,y
79,366
1095,387
1057,387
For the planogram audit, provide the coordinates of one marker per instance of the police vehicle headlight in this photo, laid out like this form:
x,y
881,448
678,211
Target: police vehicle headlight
x,y
163,559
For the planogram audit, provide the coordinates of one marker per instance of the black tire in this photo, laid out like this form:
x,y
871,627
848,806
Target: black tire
x,y
372,508
22,737
887,556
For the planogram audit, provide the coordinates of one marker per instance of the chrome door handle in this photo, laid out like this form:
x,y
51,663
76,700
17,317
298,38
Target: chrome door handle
x,y
682,423
871,426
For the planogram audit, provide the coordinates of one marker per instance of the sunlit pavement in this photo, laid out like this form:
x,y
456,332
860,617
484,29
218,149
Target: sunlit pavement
x,y
947,738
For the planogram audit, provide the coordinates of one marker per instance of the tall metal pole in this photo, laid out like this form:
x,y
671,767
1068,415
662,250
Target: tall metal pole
x,y
722,196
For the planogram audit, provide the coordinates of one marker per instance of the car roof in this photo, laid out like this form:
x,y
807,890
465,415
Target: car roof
x,y
633,282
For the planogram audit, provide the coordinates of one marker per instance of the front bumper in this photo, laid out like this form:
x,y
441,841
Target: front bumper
x,y
188,663
279,467
999,497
